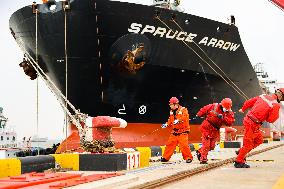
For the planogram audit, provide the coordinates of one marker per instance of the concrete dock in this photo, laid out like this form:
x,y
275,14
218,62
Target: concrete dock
x,y
266,170
261,175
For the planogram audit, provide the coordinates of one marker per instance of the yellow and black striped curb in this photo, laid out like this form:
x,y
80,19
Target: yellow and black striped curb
x,y
225,144
230,144
92,162
18,166
154,151
133,158
77,162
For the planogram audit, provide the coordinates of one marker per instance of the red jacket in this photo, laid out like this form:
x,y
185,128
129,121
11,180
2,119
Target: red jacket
x,y
212,110
263,108
183,117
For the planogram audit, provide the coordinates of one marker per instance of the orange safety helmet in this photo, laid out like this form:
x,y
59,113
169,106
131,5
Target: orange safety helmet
x,y
174,100
226,103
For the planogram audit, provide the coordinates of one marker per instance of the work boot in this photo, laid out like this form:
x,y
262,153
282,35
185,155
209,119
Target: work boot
x,y
241,165
203,162
164,160
198,155
237,152
188,161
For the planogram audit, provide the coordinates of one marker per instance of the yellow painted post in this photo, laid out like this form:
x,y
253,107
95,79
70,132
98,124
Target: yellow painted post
x,y
67,161
145,154
10,167
163,149
221,144
177,149
196,146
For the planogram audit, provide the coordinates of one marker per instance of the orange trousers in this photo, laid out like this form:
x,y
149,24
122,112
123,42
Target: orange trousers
x,y
182,141
252,139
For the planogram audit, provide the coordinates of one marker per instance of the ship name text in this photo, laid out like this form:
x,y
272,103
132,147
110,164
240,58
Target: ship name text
x,y
182,36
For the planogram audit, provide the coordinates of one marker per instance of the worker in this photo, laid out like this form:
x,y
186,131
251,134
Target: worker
x,y
216,115
230,133
262,108
179,123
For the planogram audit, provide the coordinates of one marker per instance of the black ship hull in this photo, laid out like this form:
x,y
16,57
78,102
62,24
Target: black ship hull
x,y
99,34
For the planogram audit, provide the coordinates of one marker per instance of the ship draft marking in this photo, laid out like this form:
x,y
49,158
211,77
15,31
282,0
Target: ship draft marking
x,y
142,109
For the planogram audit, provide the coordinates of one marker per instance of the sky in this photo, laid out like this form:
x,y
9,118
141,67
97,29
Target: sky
x,y
260,24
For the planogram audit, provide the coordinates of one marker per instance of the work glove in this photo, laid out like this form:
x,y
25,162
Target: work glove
x,y
165,125
220,116
176,121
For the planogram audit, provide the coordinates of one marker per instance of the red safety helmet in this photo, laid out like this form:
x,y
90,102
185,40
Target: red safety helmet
x,y
174,100
226,103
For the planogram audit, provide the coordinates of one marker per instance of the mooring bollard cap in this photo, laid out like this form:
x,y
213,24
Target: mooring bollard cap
x,y
123,123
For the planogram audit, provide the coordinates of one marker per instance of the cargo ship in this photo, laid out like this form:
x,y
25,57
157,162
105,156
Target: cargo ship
x,y
126,60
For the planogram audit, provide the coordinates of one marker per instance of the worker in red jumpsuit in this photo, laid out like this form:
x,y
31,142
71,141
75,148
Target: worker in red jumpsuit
x,y
217,114
230,133
263,108
179,122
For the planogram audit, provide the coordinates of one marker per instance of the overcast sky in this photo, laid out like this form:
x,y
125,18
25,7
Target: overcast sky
x,y
260,24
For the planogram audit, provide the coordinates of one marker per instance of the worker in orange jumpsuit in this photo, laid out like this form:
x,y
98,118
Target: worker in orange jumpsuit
x,y
263,108
217,114
179,122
